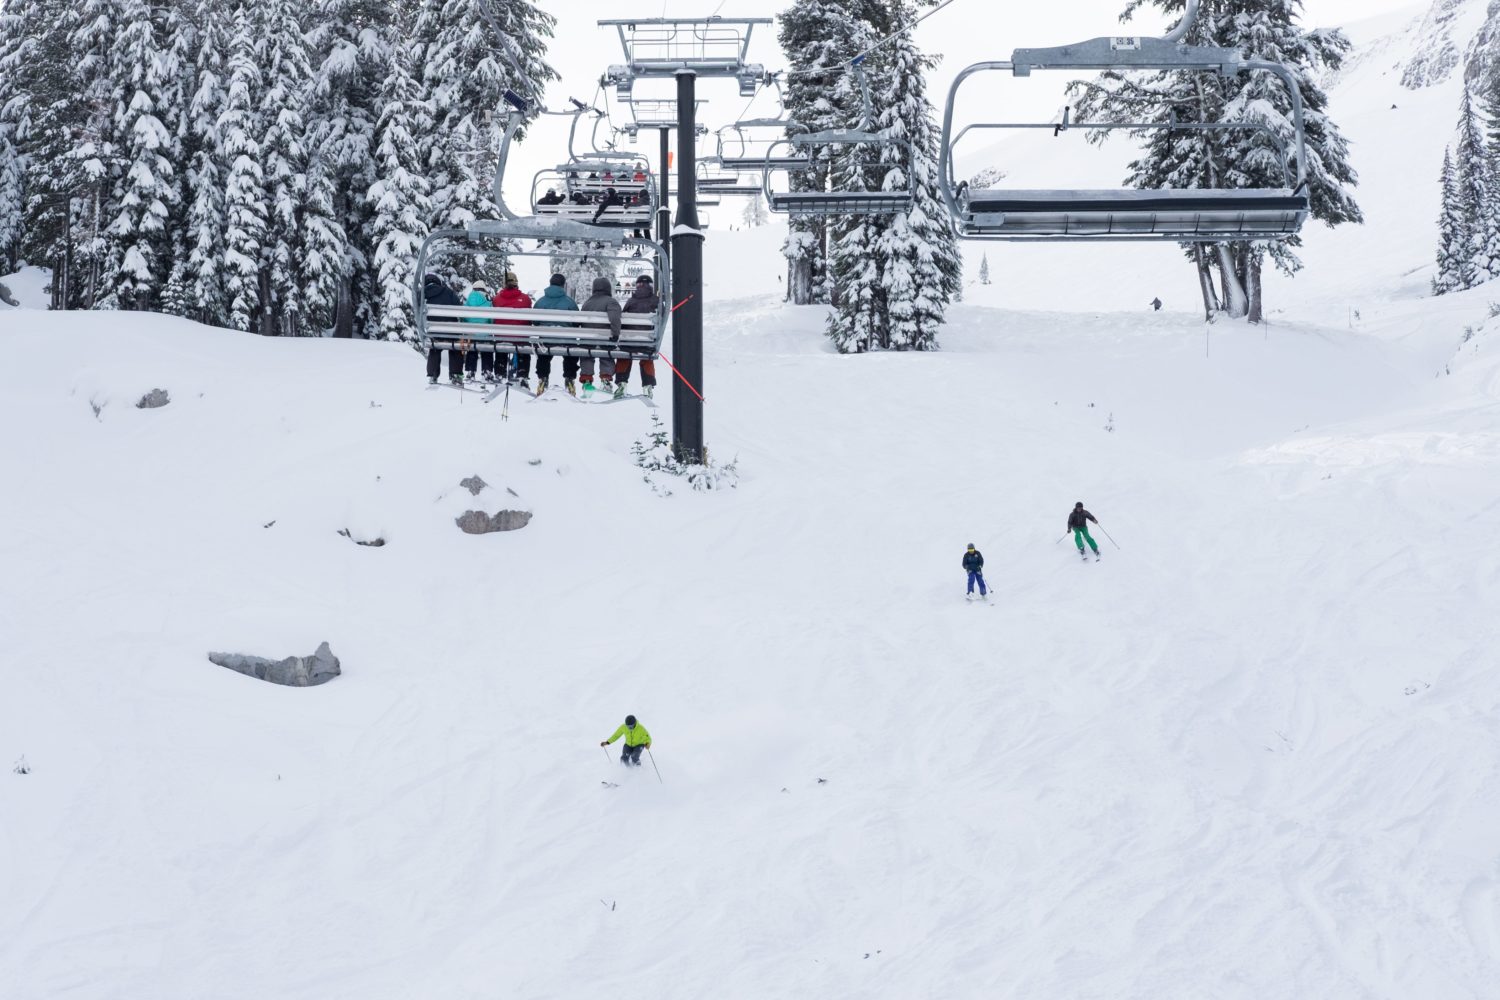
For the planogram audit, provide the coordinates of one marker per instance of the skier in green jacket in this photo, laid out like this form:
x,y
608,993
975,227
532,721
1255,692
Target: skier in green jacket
x,y
636,740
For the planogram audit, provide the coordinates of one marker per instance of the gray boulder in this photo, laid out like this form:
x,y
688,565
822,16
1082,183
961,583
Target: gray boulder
x,y
473,484
477,522
6,297
153,399
294,671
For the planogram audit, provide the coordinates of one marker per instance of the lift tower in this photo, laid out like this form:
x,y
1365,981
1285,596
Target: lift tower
x,y
684,49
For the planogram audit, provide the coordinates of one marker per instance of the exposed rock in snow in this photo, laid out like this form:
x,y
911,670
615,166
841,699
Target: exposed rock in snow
x,y
294,671
1456,33
473,484
153,399
373,543
6,297
477,522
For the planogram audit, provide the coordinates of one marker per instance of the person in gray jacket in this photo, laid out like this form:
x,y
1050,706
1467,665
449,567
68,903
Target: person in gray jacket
x,y
646,301
603,300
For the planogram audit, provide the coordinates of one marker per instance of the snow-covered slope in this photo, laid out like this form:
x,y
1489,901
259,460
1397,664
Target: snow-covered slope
x,y
1253,752
28,287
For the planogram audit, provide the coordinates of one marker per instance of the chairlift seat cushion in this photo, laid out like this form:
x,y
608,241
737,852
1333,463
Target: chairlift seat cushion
x,y
1135,200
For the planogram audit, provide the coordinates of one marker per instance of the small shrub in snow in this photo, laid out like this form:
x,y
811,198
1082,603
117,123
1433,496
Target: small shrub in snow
x,y
21,767
98,406
1468,335
654,455
154,399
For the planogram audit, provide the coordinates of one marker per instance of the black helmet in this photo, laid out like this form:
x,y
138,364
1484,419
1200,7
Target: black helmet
x,y
630,720
1078,504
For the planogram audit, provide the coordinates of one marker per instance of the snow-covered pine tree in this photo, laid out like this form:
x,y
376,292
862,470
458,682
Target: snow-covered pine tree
x,y
138,254
86,166
206,169
1265,29
580,272
917,253
755,214
293,218
14,104
1475,195
1488,124
399,196
472,52
352,41
1455,271
984,269
245,189
819,38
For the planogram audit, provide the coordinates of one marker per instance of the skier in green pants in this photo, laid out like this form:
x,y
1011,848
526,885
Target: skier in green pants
x,y
1078,524
636,740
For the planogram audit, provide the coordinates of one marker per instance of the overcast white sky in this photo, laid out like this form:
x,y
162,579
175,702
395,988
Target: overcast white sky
x,y
968,31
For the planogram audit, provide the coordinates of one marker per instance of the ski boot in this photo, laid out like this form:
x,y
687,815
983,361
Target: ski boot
x,y
620,390
541,386
649,391
432,380
571,386
522,385
457,380
588,390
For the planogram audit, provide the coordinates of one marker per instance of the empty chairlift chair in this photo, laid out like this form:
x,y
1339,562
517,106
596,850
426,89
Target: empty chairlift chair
x,y
1167,214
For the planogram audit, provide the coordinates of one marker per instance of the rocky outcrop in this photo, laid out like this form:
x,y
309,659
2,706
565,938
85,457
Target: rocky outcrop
x,y
1456,35
473,484
477,522
153,399
294,671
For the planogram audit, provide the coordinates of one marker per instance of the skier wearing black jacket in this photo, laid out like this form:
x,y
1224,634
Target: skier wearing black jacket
x,y
974,564
611,199
435,293
1078,524
647,302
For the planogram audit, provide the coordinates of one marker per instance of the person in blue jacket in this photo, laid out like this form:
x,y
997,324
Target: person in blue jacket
x,y
974,565
555,297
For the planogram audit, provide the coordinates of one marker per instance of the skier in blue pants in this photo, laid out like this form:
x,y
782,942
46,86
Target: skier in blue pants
x,y
974,563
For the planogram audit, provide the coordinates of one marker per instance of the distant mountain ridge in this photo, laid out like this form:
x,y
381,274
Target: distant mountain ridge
x,y
1454,34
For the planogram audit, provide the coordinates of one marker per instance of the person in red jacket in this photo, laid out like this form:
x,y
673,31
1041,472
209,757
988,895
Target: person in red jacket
x,y
509,297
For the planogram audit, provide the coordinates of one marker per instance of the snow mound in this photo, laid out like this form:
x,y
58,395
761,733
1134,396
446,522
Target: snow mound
x,y
28,287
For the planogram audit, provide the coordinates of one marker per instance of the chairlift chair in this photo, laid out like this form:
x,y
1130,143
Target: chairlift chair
x,y
1165,214
533,331
511,236
747,145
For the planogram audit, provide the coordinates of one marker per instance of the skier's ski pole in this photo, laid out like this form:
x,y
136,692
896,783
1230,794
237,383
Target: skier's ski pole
x,y
1064,535
654,767
604,752
1106,535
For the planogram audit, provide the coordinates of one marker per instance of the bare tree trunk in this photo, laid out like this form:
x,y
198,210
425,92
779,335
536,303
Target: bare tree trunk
x,y
343,315
1206,283
1235,301
800,281
1254,258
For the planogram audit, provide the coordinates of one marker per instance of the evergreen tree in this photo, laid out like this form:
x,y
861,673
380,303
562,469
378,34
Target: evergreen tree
x,y
399,197
1474,196
1455,271
293,218
580,272
1261,29
202,272
473,51
82,157
14,104
819,37
984,269
917,254
139,252
245,189
755,214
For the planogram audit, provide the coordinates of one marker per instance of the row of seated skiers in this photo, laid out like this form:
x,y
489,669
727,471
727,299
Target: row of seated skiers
x,y
603,202
497,366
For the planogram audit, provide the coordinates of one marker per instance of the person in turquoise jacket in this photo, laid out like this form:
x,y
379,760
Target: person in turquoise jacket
x,y
479,298
636,740
555,297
